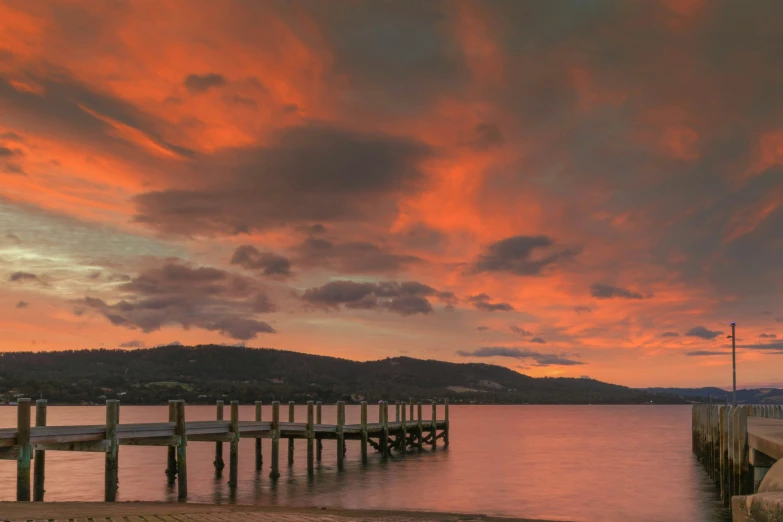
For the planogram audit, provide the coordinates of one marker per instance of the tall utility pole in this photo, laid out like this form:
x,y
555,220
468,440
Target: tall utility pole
x,y
734,363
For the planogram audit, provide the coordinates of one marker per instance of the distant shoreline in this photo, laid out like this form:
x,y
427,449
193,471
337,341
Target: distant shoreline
x,y
452,405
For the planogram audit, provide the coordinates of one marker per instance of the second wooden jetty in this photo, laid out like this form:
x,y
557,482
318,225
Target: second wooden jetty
x,y
737,445
27,443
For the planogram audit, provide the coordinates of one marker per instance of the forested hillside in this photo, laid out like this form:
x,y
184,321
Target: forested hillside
x,y
203,374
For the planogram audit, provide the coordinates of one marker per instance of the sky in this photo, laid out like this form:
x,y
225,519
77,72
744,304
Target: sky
x,y
570,188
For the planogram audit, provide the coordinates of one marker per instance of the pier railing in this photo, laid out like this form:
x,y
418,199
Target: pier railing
x,y
737,444
27,443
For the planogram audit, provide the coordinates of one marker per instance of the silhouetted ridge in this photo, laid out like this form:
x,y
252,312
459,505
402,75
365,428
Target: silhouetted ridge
x,y
205,373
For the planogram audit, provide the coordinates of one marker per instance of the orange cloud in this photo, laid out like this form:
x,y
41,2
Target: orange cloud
x,y
381,143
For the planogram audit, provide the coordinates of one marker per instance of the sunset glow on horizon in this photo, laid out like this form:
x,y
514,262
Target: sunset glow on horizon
x,y
562,188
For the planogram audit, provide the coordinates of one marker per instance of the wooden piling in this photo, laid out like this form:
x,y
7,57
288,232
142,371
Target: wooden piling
x,y
716,443
708,427
274,473
746,475
181,431
396,411
711,415
446,423
419,428
694,429
39,462
729,455
403,446
411,408
384,428
365,436
111,468
25,450
259,457
290,439
319,446
434,424
310,437
233,458
340,434
171,451
722,451
218,463
735,465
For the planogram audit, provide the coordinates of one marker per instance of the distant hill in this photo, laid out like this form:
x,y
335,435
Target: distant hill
x,y
205,373
749,396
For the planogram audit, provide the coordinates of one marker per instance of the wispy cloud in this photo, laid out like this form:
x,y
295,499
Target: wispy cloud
x,y
540,358
703,333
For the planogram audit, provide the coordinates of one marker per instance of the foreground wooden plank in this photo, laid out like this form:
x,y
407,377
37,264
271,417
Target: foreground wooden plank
x,y
766,435
141,511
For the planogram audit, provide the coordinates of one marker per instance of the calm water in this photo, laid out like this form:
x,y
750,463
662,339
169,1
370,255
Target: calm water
x,y
583,463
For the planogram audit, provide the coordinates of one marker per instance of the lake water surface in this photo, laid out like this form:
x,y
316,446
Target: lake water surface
x,y
581,463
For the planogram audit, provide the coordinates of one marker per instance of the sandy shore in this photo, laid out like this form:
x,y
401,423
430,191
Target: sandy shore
x,y
170,512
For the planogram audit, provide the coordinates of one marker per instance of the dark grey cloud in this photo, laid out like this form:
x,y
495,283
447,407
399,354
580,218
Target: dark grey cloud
x,y
311,173
703,333
23,276
406,298
22,304
768,336
522,255
705,353
14,168
66,106
410,305
11,136
520,331
404,48
242,100
422,237
314,229
351,257
494,307
5,152
483,302
541,359
670,334
484,136
199,83
603,291
779,319
482,328
180,294
583,309
773,345
538,340
267,263
132,344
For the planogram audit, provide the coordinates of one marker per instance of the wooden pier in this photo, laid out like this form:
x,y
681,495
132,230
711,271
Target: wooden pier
x,y
27,443
737,444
